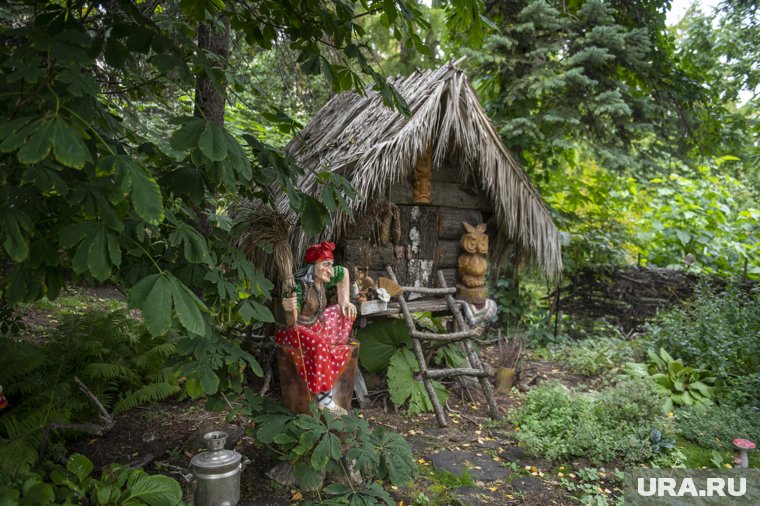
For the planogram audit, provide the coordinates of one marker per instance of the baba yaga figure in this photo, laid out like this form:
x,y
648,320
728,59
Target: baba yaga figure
x,y
317,336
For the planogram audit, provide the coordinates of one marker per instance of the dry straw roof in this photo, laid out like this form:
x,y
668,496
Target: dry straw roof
x,y
373,146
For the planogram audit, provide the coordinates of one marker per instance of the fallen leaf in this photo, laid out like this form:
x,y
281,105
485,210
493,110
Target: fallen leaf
x,y
493,489
297,496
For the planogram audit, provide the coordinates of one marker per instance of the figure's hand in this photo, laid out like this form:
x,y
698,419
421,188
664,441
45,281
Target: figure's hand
x,y
348,310
290,304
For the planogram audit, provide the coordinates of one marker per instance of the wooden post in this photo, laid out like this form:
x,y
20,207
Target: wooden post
x,y
556,308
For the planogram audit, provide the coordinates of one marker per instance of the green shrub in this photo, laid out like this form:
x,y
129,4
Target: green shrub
x,y
558,424
718,331
680,385
632,403
715,427
594,357
119,485
120,363
317,444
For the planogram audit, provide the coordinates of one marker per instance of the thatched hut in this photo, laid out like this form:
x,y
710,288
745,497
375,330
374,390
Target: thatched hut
x,y
382,152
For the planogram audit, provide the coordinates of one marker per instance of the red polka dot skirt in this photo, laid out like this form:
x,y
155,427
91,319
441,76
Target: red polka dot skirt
x,y
324,345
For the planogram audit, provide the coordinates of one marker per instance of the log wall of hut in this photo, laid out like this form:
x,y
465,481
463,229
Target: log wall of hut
x,y
429,233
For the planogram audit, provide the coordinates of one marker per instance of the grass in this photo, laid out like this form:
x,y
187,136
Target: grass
x,y
697,456
41,317
74,300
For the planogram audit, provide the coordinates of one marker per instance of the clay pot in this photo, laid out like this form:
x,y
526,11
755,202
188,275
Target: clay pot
x,y
505,379
295,394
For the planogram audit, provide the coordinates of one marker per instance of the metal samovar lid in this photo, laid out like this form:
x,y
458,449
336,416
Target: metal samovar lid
x,y
216,458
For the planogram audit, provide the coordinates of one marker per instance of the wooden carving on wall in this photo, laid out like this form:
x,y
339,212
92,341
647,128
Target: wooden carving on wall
x,y
472,264
423,176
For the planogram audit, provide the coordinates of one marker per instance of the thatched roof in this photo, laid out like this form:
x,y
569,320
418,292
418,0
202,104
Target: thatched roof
x,y
374,146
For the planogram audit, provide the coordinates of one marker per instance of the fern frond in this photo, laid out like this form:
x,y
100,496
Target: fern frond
x,y
165,375
17,456
104,371
146,394
29,426
18,360
156,355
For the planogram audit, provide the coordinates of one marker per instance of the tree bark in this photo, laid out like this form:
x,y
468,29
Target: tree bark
x,y
209,102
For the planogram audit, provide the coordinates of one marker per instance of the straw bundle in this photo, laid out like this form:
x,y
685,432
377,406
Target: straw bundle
x,y
261,225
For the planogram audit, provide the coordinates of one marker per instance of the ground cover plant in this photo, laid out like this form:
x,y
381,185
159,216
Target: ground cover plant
x,y
559,424
73,484
600,356
715,427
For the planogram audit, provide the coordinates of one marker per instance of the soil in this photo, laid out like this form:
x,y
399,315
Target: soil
x,y
162,438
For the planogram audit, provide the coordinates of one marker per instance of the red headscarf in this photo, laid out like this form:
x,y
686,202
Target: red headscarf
x,y
317,252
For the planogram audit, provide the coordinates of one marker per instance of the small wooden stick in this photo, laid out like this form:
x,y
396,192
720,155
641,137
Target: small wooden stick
x,y
98,430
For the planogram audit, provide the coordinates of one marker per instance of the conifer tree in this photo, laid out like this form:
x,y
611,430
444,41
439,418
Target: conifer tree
x,y
559,74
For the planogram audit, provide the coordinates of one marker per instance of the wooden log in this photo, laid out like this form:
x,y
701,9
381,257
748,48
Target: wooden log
x,y
419,230
447,254
450,275
453,336
450,221
446,173
463,371
363,254
429,291
443,194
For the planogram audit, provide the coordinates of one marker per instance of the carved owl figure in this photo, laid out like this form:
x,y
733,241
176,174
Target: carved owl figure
x,y
472,264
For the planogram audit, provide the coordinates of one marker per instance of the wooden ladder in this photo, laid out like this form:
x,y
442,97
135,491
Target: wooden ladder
x,y
462,332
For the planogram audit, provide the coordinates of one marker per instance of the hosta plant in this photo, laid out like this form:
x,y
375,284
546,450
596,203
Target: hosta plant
x,y
682,385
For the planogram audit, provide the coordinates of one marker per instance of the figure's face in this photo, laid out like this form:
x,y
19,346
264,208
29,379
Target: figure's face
x,y
323,270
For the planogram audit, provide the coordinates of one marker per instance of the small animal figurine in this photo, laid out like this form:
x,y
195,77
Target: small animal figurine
x,y
472,264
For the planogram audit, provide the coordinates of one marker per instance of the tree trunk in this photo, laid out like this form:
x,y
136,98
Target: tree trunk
x,y
209,102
